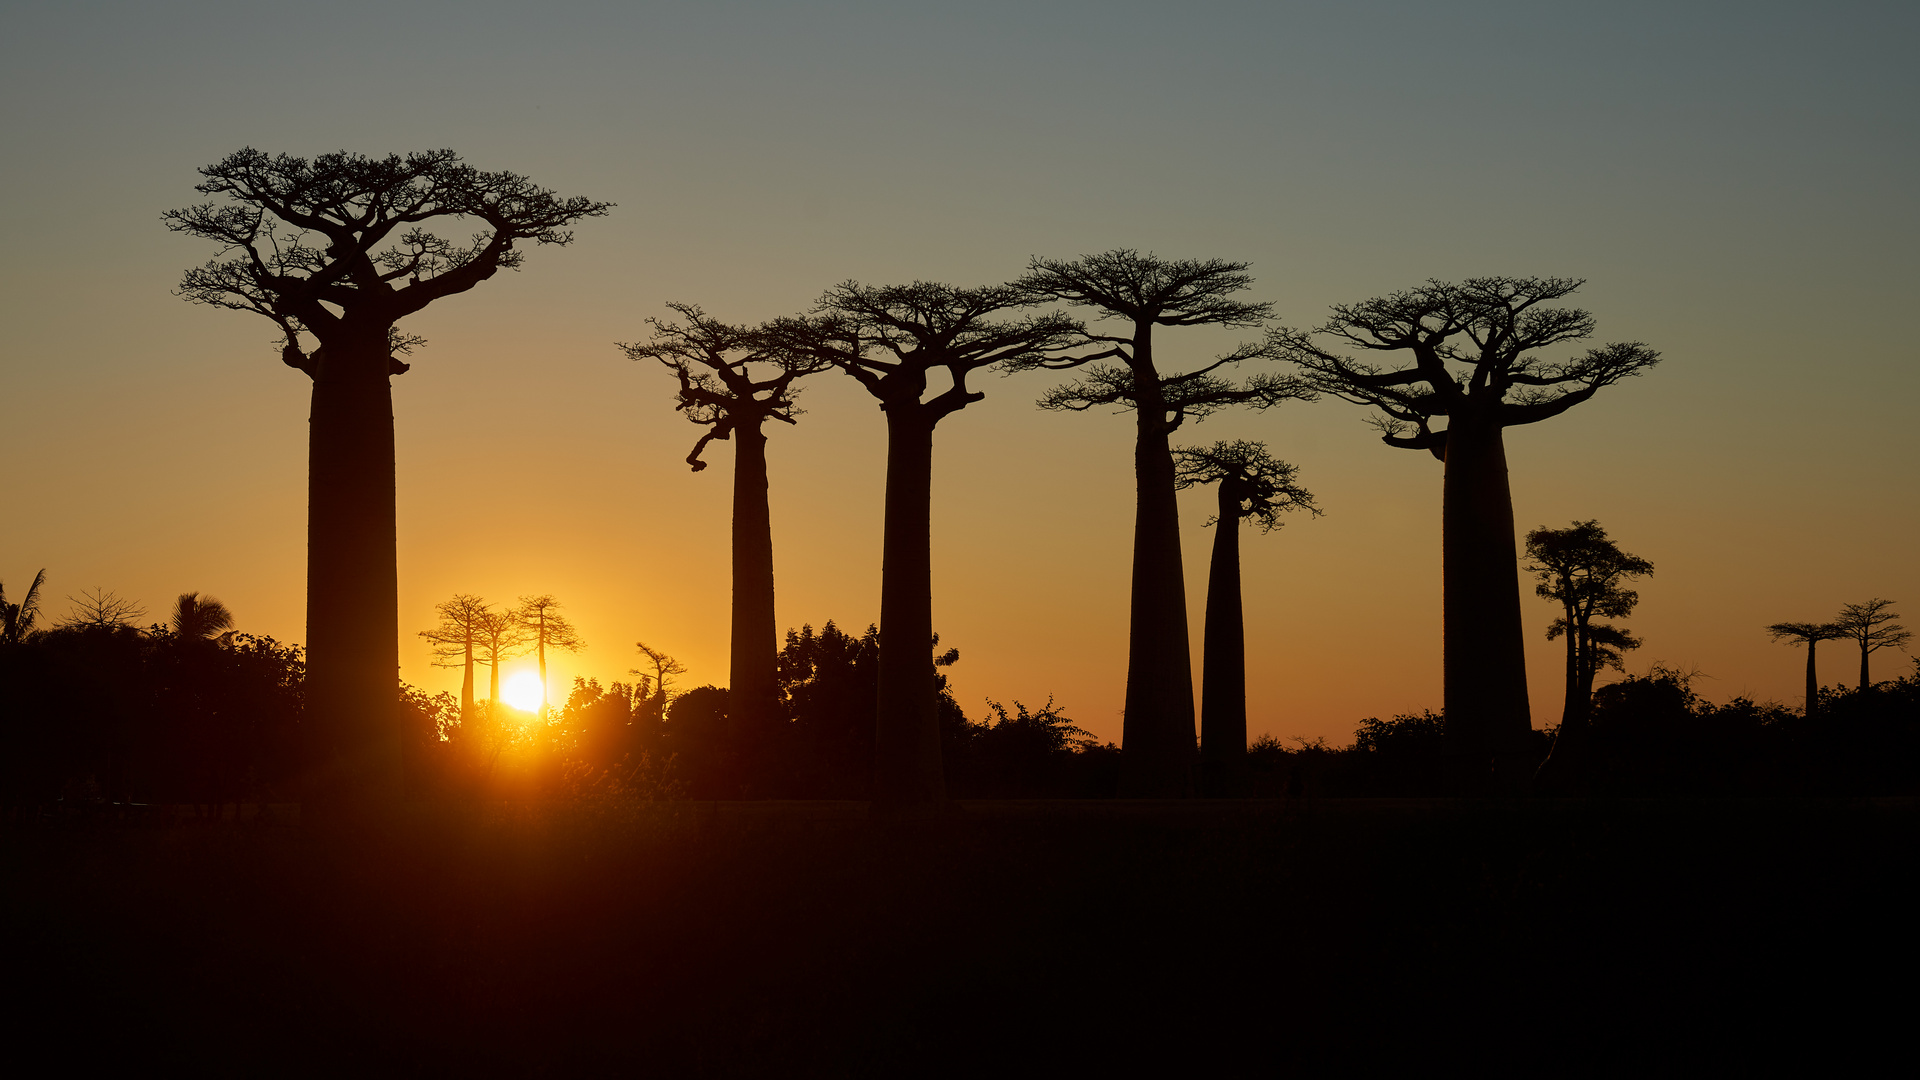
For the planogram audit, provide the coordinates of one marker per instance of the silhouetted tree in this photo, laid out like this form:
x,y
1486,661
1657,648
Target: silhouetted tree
x,y
498,637
455,640
916,330
1251,484
337,249
543,624
1490,330
653,692
1584,572
1871,626
197,617
732,380
1144,292
828,682
1811,635
102,609
16,620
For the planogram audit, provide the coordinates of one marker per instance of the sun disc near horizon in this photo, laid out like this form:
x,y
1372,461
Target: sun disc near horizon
x,y
522,691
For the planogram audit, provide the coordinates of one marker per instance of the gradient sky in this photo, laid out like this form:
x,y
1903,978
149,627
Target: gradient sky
x,y
1735,182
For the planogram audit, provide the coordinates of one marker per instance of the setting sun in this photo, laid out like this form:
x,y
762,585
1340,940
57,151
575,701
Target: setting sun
x,y
522,691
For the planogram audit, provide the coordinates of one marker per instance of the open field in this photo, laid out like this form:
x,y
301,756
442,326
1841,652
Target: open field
x,y
802,939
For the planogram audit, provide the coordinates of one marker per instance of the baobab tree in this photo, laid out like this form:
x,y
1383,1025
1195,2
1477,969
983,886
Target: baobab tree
x,y
335,251
1251,485
540,620
455,640
733,379
498,638
1871,626
1586,573
1471,360
893,340
1810,635
1143,292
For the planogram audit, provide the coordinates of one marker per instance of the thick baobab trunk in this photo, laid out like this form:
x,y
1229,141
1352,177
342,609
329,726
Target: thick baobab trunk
x,y
906,750
752,698
1223,686
1813,681
493,684
353,657
1488,719
1156,741
1864,653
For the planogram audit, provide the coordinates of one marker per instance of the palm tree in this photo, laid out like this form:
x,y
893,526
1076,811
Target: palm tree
x,y
16,620
198,618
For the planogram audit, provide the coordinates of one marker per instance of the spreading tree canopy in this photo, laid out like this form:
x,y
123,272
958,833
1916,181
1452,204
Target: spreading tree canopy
x,y
1140,293
334,251
901,343
1468,362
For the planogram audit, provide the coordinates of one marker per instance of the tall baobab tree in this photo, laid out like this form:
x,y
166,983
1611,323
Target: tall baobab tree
x,y
1471,360
335,251
1810,635
1251,484
540,620
733,379
893,340
498,638
17,619
1871,626
198,618
455,640
1142,293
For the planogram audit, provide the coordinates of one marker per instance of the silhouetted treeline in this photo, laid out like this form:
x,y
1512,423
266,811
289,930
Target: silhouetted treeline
x,y
633,738
99,715
104,714
1652,735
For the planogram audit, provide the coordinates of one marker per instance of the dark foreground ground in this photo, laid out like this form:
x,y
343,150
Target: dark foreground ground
x,y
792,939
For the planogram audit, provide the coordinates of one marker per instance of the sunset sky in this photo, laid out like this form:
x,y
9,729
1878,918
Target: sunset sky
x,y
1734,181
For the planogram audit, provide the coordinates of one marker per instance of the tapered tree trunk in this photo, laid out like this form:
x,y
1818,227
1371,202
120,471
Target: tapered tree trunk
x,y
1864,681
1488,718
752,699
906,752
1223,686
1574,707
1563,772
1813,681
466,682
1157,730
493,684
353,656
540,646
